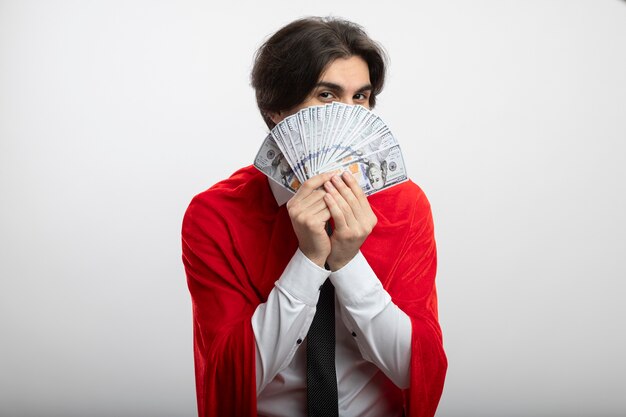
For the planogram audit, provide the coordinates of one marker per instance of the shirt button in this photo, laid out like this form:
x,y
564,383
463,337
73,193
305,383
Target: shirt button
x,y
353,334
299,341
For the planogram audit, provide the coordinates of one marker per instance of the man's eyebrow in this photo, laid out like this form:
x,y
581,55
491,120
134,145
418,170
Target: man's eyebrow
x,y
366,87
337,87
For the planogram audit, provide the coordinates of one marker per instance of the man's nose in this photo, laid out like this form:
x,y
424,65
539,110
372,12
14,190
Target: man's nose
x,y
347,100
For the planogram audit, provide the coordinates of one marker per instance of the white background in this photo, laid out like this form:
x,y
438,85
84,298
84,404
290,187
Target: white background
x,y
113,114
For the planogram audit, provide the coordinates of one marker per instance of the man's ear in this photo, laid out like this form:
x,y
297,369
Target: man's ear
x,y
275,116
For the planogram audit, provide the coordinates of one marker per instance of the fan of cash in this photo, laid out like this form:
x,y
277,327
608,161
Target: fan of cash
x,y
334,137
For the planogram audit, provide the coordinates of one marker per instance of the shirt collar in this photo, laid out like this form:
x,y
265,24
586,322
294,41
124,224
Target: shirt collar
x,y
281,194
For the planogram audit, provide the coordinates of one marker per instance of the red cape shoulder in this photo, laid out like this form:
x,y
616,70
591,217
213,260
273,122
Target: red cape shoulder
x,y
397,203
244,184
245,192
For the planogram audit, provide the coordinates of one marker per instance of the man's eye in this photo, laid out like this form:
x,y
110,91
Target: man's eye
x,y
326,94
360,96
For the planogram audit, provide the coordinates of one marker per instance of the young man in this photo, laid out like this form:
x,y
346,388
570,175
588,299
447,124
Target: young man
x,y
258,259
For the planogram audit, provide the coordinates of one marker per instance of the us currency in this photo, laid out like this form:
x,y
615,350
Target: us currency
x,y
377,171
272,162
332,138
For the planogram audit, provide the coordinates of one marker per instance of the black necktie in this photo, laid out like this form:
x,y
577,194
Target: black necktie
x,y
321,378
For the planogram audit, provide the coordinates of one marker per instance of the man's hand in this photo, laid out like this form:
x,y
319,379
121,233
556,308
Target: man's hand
x,y
353,217
309,214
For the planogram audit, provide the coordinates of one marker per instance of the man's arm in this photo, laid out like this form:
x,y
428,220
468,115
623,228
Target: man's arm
x,y
282,322
408,265
381,330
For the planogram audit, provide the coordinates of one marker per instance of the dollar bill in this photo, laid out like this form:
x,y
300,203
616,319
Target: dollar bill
x,y
332,138
272,162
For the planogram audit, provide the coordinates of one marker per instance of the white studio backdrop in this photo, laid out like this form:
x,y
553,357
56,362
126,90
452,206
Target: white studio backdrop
x,y
113,114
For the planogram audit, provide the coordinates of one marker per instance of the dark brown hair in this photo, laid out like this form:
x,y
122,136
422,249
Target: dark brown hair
x,y
289,64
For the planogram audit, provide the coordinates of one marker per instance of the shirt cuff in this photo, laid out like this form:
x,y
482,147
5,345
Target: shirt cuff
x,y
303,279
356,281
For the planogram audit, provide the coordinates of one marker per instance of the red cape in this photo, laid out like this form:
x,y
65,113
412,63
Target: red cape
x,y
236,244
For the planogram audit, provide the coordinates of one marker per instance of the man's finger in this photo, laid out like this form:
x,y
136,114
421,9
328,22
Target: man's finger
x,y
348,212
354,186
312,184
317,207
336,213
347,195
304,203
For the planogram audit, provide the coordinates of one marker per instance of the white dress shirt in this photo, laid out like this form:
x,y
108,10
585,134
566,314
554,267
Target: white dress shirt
x,y
372,336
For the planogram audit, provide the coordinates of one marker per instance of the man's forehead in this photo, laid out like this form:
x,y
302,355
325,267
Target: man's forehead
x,y
351,72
